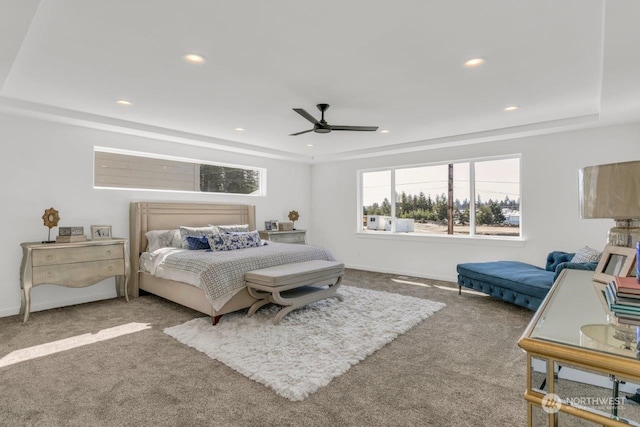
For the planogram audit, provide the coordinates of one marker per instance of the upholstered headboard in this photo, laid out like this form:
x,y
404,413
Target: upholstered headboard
x,y
146,216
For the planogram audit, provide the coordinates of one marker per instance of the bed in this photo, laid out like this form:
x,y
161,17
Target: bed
x,y
147,216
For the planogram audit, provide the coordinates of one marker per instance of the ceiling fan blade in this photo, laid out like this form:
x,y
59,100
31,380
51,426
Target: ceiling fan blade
x,y
359,128
306,115
300,133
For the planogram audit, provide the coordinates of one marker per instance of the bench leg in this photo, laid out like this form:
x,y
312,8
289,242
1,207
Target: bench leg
x,y
289,308
256,306
262,297
291,304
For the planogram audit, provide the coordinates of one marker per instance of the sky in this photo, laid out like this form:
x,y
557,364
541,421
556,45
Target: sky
x,y
495,179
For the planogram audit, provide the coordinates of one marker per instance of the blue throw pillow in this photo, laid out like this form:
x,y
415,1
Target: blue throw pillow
x,y
198,243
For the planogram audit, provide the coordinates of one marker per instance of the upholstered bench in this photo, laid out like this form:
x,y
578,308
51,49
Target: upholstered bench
x,y
294,285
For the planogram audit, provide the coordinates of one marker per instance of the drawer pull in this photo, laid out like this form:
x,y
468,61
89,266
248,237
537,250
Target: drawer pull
x,y
110,268
49,257
108,252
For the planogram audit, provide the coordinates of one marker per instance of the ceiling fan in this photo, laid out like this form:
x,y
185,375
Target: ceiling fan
x,y
322,126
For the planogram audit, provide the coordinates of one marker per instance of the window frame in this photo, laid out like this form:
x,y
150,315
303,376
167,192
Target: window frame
x,y
262,184
392,234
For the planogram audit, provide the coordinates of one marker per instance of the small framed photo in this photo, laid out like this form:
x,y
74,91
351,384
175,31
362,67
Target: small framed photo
x,y
100,232
615,261
267,225
274,224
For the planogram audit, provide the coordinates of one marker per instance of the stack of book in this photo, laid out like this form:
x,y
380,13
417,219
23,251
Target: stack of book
x,y
623,298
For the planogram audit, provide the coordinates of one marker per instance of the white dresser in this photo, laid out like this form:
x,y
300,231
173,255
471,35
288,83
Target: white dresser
x,y
73,265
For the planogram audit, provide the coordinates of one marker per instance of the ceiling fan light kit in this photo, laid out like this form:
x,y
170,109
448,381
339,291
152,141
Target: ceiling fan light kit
x,y
321,126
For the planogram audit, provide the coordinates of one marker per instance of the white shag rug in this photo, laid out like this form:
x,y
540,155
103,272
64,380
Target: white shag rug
x,y
310,346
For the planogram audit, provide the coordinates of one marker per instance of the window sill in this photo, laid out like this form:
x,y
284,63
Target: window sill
x,y
516,242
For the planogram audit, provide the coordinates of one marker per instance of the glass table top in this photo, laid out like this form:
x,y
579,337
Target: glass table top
x,y
576,315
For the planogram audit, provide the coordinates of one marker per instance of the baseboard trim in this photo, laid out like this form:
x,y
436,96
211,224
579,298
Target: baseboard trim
x,y
453,279
59,303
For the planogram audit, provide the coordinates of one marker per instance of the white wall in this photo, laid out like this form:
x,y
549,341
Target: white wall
x,y
47,165
550,212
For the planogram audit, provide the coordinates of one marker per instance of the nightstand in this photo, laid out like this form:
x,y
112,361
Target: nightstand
x,y
294,236
73,265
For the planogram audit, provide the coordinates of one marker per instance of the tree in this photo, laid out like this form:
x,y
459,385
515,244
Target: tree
x,y
422,202
440,207
463,216
403,203
386,207
430,205
496,212
221,179
484,215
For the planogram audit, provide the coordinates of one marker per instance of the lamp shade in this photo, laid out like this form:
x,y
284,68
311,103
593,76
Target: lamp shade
x,y
610,191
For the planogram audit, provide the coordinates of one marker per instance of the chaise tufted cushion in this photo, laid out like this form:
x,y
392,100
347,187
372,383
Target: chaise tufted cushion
x,y
510,275
516,282
517,298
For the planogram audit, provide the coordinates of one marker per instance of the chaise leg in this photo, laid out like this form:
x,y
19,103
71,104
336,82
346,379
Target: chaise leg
x,y
459,290
215,319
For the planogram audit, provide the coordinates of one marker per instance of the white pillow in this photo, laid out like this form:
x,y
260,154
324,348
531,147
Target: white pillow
x,y
157,239
586,254
235,228
196,232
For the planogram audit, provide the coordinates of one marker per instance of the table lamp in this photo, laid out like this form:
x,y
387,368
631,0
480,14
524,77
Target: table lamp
x,y
613,191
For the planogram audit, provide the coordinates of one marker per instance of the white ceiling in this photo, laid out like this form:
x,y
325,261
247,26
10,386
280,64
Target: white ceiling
x,y
397,65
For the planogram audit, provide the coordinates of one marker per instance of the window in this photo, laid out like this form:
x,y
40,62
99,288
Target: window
x,y
143,171
478,197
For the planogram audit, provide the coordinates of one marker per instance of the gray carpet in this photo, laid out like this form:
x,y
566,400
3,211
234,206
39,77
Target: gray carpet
x,y
461,367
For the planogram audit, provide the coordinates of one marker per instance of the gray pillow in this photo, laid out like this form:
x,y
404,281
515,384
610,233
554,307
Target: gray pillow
x,y
196,232
586,254
157,239
236,228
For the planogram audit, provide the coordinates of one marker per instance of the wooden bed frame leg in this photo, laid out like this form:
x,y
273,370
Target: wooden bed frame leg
x,y
215,319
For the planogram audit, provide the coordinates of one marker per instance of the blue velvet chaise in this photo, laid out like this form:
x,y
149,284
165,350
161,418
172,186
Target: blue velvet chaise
x,y
516,282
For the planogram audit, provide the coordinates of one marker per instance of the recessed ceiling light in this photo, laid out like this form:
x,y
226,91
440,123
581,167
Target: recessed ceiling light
x,y
511,108
240,129
123,102
194,58
384,131
474,62
309,145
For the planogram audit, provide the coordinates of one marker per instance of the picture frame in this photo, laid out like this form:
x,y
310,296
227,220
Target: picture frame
x,y
100,232
267,225
274,224
615,261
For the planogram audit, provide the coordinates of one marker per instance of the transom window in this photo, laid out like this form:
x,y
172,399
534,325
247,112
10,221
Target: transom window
x,y
475,197
144,171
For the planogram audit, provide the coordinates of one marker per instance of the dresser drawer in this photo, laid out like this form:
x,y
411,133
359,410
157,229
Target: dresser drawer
x,y
69,255
78,274
288,238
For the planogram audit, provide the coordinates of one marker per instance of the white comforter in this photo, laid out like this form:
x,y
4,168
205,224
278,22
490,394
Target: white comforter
x,y
221,273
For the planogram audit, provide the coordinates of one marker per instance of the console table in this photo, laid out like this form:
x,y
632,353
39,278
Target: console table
x,y
73,265
294,236
573,329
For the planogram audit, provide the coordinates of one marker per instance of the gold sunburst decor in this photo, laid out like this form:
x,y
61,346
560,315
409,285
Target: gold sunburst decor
x,y
50,218
293,217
